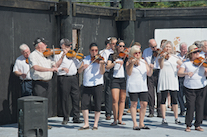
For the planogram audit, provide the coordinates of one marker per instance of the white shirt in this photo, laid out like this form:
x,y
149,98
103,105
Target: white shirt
x,y
91,75
118,69
147,55
37,58
71,64
181,57
105,54
137,81
198,80
21,66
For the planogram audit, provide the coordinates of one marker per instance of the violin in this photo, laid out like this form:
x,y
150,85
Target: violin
x,y
136,63
72,54
97,58
124,53
49,52
27,61
200,61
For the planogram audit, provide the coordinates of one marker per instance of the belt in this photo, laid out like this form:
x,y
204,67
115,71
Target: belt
x,y
27,80
156,69
42,80
66,75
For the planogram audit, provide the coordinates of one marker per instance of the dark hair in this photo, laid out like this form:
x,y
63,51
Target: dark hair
x,y
116,54
119,41
107,41
92,45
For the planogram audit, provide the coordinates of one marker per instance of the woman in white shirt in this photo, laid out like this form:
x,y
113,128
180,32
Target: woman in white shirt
x,y
137,71
168,79
93,85
195,85
118,83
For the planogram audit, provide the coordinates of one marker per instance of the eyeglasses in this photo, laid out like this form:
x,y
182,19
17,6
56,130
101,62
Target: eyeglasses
x,y
196,51
121,45
137,53
113,43
94,50
153,47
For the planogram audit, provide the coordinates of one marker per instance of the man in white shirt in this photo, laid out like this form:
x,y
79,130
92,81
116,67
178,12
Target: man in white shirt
x,y
21,69
182,57
153,80
42,69
68,84
108,97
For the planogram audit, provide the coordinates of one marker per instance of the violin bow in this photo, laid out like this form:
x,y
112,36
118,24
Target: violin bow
x,y
72,62
97,57
129,47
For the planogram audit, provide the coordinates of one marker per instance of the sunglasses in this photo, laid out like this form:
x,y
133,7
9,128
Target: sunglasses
x,y
121,45
196,51
94,50
137,53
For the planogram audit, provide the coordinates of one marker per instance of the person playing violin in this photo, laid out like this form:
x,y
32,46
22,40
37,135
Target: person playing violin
x,y
182,56
21,69
42,70
92,85
152,80
168,80
110,44
118,82
137,71
195,88
67,82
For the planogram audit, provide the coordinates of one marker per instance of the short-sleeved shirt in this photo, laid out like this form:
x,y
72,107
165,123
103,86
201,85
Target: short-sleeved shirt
x,y
37,58
72,64
198,80
21,66
105,54
91,75
147,55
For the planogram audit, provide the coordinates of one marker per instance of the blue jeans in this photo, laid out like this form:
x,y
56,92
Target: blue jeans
x,y
26,88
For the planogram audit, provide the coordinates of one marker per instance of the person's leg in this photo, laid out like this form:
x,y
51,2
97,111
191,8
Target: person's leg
x,y
122,98
163,100
155,81
151,95
190,101
181,95
174,103
75,96
168,100
133,113
108,96
26,88
199,106
97,116
85,116
142,113
115,96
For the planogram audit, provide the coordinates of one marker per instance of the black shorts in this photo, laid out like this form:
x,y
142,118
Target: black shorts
x,y
119,83
143,96
96,91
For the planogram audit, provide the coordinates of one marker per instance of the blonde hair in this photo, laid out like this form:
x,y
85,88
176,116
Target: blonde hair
x,y
172,48
134,49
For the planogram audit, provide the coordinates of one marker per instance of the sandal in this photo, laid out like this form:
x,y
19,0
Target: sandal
x,y
121,123
199,129
136,128
187,129
113,124
144,127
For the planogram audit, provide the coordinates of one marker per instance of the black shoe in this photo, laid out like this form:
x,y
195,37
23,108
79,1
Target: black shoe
x,y
177,121
150,115
65,122
78,121
164,122
84,128
108,118
182,114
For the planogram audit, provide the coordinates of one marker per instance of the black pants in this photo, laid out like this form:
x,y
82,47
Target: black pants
x,y
173,95
205,103
68,85
152,86
181,94
26,86
43,89
108,96
195,101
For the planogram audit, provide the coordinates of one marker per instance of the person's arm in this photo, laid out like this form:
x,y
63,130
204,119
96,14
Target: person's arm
x,y
58,63
205,72
129,66
110,64
102,67
182,73
149,69
43,69
161,61
82,67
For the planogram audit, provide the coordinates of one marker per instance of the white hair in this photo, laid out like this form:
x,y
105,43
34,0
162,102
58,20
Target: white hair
x,y
23,47
181,45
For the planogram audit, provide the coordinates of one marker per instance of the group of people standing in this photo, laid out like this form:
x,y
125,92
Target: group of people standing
x,y
133,74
